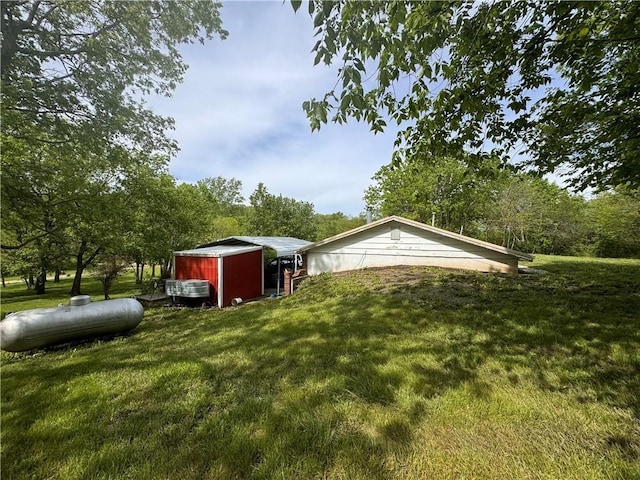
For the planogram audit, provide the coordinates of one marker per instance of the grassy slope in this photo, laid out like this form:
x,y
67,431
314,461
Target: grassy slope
x,y
408,373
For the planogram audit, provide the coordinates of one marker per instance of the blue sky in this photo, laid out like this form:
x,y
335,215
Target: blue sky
x,y
239,114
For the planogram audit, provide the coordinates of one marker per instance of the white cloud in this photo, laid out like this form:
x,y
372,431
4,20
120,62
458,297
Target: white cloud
x,y
238,114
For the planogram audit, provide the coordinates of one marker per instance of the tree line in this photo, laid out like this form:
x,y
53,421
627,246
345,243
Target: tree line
x,y
477,90
76,219
517,210
60,215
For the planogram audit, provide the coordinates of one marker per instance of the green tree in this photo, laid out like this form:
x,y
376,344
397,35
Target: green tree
x,y
224,194
74,122
80,70
225,207
151,209
515,210
444,190
98,226
332,224
614,223
479,77
164,217
108,269
45,194
272,215
532,214
66,202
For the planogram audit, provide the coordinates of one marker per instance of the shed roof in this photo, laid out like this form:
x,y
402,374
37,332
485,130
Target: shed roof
x,y
420,226
216,251
284,246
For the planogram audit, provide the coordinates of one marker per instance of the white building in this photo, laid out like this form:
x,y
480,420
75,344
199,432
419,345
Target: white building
x,y
399,241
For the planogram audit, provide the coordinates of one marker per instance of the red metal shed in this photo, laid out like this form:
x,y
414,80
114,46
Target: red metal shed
x,y
231,271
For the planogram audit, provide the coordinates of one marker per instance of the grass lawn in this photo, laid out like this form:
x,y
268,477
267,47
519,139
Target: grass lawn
x,y
16,297
405,373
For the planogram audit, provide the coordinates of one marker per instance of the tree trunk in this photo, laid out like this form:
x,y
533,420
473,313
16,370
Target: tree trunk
x,y
80,266
41,281
139,271
77,279
56,278
3,282
106,287
139,280
153,270
165,269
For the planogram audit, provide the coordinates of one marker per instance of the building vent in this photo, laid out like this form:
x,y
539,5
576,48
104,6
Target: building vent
x,y
369,214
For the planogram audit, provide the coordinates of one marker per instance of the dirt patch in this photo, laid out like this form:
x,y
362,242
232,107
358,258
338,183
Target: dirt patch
x,y
432,287
387,279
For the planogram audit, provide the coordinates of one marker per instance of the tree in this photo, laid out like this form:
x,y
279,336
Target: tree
x,y
444,190
108,269
614,223
335,223
23,263
225,207
515,210
74,122
543,84
65,201
272,215
531,214
80,70
163,217
224,194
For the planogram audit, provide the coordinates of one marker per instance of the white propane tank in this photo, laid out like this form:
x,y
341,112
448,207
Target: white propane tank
x,y
29,329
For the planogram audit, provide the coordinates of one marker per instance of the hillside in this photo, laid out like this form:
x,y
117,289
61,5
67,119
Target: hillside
x,y
379,374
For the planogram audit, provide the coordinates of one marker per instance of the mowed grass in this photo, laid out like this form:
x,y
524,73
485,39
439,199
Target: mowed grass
x,y
15,296
404,373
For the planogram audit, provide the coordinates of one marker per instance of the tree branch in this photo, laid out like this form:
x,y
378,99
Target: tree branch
x,y
23,244
33,12
91,258
51,53
44,17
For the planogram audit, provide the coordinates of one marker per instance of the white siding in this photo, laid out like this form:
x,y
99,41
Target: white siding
x,y
375,248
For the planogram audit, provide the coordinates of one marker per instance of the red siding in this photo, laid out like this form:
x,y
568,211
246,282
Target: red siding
x,y
199,268
242,276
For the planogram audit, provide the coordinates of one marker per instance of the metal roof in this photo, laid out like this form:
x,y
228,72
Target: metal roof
x,y
424,227
217,251
284,246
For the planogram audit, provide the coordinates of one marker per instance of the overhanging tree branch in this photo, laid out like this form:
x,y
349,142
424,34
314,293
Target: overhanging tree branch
x,y
23,244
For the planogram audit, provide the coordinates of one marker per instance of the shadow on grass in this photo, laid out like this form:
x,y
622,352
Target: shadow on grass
x,y
333,381
16,297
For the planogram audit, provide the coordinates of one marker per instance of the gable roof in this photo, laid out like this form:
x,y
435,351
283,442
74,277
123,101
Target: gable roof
x,y
423,227
284,246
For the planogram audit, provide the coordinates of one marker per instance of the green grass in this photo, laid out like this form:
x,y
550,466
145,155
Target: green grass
x,y
15,296
406,373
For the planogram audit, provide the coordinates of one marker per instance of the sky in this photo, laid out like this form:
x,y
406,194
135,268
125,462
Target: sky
x,y
238,114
